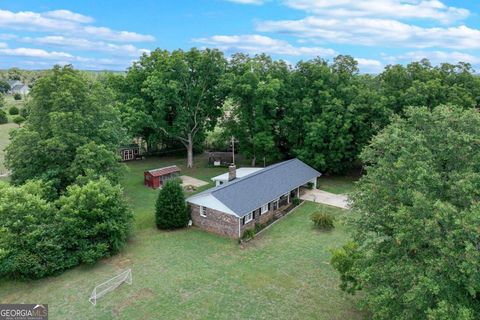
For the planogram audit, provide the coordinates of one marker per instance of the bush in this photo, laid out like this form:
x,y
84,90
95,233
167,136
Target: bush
x,y
19,120
17,96
29,245
171,211
249,234
3,117
322,220
24,112
94,221
259,227
296,201
13,111
310,185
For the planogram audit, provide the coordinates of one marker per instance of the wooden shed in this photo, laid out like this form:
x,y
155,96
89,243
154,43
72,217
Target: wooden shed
x,y
156,177
130,152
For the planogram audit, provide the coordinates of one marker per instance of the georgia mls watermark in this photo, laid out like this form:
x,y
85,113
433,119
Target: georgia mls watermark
x,y
23,311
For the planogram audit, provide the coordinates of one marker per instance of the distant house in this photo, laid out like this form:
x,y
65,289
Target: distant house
x,y
19,87
155,178
130,152
236,205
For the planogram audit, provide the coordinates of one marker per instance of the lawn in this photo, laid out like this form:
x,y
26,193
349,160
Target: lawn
x,y
190,274
4,138
337,184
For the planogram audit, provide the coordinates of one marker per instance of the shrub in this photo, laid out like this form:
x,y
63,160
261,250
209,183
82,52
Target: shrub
x,y
322,220
259,226
13,110
171,211
310,185
29,245
19,120
296,201
24,112
94,220
3,117
17,96
249,234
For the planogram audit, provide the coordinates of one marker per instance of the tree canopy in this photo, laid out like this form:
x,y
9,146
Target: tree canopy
x,y
417,237
174,94
66,113
171,210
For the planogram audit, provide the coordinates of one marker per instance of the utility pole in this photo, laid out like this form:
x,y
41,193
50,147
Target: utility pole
x,y
233,149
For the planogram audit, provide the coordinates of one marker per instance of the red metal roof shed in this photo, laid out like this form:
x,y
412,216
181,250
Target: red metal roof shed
x,y
156,177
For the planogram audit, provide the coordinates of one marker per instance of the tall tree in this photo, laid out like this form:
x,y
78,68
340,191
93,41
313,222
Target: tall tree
x,y
176,94
171,210
333,113
417,232
67,112
257,89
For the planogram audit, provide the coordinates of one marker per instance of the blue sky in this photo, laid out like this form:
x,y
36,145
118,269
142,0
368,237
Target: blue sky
x,y
111,34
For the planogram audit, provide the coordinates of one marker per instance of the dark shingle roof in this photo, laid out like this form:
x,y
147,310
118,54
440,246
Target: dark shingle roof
x,y
246,194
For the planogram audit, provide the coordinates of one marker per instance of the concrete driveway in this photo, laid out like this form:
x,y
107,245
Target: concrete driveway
x,y
332,199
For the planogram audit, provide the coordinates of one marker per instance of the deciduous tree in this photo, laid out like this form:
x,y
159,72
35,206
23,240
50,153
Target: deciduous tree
x,y
418,219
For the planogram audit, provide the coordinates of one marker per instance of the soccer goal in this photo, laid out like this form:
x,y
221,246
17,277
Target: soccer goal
x,y
110,285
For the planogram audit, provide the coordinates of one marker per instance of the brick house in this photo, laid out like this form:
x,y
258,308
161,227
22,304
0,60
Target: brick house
x,y
236,205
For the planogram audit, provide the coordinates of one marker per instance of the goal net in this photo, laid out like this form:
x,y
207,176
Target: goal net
x,y
110,285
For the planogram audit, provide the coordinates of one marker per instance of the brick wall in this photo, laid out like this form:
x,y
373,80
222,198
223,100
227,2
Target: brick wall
x,y
258,219
217,222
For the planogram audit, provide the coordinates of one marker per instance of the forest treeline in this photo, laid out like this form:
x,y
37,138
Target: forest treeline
x,y
321,112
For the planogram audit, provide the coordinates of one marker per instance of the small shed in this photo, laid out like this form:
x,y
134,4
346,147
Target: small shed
x,y
220,158
130,152
156,177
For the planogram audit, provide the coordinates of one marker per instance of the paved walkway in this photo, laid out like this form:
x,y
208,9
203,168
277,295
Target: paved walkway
x,y
332,199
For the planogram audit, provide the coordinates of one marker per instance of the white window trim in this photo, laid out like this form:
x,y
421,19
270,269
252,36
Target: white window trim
x,y
248,217
264,209
203,211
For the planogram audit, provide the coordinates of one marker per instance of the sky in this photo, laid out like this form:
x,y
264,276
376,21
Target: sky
x,y
111,35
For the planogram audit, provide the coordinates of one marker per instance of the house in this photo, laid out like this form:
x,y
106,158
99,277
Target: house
x,y
156,177
17,86
129,152
235,206
240,173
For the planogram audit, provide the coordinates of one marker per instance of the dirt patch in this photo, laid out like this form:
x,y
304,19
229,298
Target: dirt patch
x,y
191,181
142,294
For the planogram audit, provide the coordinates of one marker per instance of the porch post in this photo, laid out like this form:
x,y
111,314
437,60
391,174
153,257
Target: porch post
x,y
288,198
298,192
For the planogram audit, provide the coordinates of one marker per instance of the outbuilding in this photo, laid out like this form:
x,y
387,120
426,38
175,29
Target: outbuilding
x,y
130,152
155,178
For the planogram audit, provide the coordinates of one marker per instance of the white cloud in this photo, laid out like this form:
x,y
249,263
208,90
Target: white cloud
x,y
369,65
398,9
254,43
3,45
85,44
35,53
256,2
375,32
436,57
66,23
68,15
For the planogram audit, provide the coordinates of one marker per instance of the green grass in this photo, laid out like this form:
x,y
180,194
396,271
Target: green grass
x,y
190,274
4,138
142,199
337,184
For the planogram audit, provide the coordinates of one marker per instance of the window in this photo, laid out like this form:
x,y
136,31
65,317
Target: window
x,y
264,208
203,211
248,217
